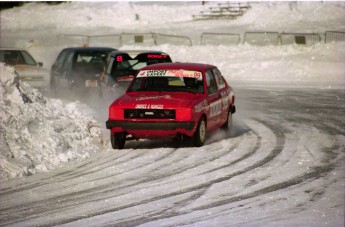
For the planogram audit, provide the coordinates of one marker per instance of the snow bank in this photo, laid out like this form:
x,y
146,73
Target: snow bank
x,y
298,16
107,14
321,65
291,16
37,134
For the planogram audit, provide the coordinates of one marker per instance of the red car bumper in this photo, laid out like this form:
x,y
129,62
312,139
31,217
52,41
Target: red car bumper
x,y
144,129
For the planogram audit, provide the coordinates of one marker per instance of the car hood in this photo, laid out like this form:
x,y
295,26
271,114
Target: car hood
x,y
156,100
31,70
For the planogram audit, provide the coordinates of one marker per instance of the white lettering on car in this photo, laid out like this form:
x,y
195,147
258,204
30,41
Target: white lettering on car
x,y
158,107
149,106
153,97
156,72
141,106
215,108
200,107
225,100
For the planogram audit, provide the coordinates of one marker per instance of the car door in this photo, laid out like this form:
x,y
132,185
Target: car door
x,y
119,69
213,101
222,91
57,66
60,68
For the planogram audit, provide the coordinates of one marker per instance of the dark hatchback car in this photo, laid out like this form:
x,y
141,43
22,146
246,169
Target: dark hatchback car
x,y
78,69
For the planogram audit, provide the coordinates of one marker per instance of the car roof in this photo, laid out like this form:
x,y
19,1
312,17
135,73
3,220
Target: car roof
x,y
115,52
137,52
153,52
12,48
90,48
186,66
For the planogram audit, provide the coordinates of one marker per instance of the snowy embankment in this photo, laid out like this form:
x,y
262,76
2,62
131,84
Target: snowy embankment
x,y
38,134
321,65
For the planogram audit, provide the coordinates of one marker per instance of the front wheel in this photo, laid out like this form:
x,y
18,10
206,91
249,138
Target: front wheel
x,y
199,136
118,140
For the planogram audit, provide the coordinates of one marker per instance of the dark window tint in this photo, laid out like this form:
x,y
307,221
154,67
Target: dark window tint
x,y
219,78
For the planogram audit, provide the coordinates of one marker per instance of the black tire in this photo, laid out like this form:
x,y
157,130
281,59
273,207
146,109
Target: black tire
x,y
199,136
53,88
228,124
118,140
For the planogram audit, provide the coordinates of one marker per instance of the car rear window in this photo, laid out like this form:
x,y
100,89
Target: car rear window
x,y
16,57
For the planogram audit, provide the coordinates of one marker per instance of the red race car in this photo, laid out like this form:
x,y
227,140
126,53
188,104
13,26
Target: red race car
x,y
172,99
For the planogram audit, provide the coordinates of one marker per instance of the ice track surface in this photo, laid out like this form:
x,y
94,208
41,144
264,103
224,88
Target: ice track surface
x,y
284,157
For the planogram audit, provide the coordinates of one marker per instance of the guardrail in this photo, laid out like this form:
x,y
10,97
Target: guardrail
x,y
334,36
257,38
300,38
169,39
209,38
146,39
262,38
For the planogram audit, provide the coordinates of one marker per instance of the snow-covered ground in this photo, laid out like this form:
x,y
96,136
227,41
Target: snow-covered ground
x,y
285,163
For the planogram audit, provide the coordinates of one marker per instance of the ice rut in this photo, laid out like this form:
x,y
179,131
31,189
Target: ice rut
x,y
177,186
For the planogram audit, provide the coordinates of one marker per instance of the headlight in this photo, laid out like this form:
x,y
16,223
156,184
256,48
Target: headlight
x,y
184,114
115,114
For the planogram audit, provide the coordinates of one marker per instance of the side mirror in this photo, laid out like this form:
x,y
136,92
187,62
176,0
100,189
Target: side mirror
x,y
40,64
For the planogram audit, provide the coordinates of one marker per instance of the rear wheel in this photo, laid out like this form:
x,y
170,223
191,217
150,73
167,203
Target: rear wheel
x,y
53,86
118,140
199,136
228,124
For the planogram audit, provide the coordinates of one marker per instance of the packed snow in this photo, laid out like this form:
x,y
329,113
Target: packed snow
x,y
39,133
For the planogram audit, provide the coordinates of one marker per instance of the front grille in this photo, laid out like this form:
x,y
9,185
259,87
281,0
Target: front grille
x,y
149,114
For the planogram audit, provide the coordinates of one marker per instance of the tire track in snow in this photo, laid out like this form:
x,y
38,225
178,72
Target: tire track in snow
x,y
81,195
101,189
176,199
196,188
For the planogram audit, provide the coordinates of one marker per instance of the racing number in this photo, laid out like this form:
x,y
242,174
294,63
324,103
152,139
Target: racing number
x,y
119,58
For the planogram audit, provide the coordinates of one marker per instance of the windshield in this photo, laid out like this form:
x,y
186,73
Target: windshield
x,y
16,57
124,68
121,65
92,56
168,80
89,62
129,65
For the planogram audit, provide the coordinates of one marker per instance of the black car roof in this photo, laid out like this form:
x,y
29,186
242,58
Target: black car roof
x,y
115,52
90,48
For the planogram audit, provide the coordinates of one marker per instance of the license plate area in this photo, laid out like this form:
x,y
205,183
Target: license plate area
x,y
91,83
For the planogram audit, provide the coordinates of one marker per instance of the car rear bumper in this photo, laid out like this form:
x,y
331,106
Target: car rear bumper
x,y
233,109
37,83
